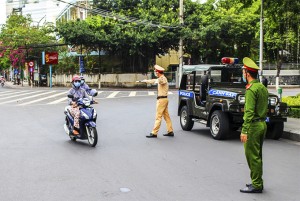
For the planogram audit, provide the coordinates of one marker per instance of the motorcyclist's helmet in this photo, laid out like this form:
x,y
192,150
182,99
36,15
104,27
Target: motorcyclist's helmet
x,y
76,81
82,80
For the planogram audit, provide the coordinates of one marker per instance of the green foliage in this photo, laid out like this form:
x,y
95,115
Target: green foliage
x,y
229,29
18,38
281,29
294,103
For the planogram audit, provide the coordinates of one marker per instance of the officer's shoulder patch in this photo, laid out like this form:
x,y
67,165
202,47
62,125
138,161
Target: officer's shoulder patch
x,y
248,86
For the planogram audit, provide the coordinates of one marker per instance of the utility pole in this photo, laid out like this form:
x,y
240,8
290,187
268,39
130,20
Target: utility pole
x,y
180,43
261,41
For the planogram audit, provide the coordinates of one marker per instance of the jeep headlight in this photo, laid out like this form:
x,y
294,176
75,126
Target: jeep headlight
x,y
241,99
273,101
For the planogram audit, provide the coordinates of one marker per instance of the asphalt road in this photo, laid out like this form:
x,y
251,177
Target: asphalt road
x,y
39,162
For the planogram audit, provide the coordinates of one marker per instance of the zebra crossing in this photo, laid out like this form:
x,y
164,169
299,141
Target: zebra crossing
x,y
53,97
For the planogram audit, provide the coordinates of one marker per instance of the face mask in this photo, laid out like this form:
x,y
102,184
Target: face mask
x,y
77,84
81,81
244,79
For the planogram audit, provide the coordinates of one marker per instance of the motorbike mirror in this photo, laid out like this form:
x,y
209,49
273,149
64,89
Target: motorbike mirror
x,y
70,96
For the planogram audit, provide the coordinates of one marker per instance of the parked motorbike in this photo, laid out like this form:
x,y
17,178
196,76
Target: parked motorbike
x,y
87,121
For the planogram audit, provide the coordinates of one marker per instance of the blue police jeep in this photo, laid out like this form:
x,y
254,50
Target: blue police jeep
x,y
215,95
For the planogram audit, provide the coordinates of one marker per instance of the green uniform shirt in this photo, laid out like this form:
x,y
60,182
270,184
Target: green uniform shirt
x,y
256,104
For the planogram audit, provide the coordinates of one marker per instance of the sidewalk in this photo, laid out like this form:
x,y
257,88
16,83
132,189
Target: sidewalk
x,y
291,127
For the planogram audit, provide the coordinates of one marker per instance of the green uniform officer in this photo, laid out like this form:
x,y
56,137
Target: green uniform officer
x,y
254,127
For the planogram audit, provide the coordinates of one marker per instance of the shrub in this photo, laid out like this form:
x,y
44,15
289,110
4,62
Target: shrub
x,y
294,103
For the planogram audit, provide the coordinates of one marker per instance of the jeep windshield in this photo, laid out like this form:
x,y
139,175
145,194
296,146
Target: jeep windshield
x,y
231,76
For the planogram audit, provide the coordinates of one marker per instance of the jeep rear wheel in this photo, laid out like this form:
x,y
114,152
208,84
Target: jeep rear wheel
x,y
186,121
219,125
275,130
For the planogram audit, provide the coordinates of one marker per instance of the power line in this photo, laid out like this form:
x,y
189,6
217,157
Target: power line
x,y
109,14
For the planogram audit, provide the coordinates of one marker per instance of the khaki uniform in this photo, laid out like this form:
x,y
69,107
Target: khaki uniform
x,y
161,104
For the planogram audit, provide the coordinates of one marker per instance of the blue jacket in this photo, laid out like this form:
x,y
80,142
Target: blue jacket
x,y
77,93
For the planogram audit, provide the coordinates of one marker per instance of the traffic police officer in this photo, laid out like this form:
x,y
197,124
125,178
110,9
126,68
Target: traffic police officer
x,y
254,127
162,102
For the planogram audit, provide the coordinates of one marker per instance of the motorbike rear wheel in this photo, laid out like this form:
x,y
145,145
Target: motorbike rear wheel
x,y
92,136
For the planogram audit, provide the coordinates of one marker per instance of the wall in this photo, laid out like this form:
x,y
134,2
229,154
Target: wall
x,y
287,77
106,80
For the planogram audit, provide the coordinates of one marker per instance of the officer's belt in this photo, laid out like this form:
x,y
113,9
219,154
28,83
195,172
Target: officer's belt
x,y
258,120
159,97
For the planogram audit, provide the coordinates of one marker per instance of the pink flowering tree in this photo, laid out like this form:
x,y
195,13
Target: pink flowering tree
x,y
17,58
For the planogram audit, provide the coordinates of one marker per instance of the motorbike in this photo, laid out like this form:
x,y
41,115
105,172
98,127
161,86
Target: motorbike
x,y
2,83
87,121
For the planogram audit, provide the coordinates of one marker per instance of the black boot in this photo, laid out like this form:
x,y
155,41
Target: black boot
x,y
169,134
151,135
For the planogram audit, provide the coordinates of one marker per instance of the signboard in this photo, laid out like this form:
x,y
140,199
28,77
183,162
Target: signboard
x,y
16,71
30,64
81,64
51,58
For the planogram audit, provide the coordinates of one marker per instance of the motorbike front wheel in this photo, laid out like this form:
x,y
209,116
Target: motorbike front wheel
x,y
92,136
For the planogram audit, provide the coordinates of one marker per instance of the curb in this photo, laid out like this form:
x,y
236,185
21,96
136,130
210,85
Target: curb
x,y
291,136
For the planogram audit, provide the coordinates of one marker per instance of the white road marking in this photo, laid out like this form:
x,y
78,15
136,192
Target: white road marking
x,y
19,96
112,95
7,97
58,101
37,100
4,92
27,97
132,93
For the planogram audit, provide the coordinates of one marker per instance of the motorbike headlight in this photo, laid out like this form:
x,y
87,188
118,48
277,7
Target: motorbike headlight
x,y
86,102
85,115
241,99
94,114
273,101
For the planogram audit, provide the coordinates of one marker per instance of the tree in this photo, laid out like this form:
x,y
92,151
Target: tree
x,y
18,39
136,42
282,31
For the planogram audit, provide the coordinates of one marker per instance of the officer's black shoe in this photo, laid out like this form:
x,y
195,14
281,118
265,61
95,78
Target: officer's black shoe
x,y
251,184
151,135
250,189
170,134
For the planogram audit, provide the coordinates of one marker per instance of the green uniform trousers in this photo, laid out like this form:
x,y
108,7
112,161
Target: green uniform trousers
x,y
253,152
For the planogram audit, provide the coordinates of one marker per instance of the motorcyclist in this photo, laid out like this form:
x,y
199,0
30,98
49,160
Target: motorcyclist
x,y
83,85
2,80
78,93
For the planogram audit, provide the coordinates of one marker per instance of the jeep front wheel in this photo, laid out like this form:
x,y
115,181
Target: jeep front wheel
x,y
275,130
186,121
219,125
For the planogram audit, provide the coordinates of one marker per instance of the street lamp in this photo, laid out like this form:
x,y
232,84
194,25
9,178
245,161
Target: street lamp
x,y
180,43
180,51
261,42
